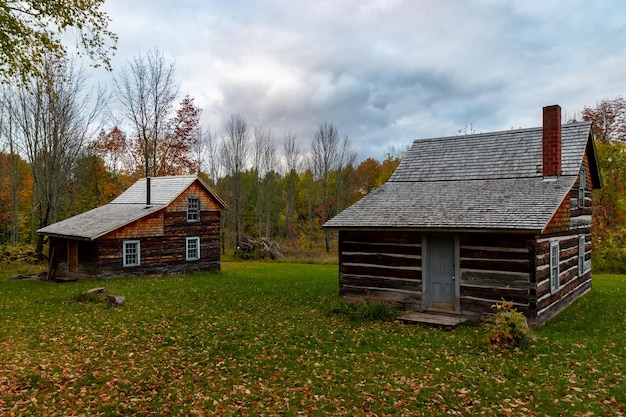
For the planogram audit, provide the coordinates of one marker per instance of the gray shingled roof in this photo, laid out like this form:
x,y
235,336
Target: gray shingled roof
x,y
125,209
483,181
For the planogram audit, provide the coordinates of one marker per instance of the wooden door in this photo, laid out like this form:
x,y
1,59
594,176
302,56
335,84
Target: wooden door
x,y
441,272
72,255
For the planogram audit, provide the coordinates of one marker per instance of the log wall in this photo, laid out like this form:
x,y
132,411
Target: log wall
x,y
381,266
495,267
573,282
387,265
162,236
166,254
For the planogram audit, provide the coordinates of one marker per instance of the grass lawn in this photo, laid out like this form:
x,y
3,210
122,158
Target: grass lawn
x,y
257,339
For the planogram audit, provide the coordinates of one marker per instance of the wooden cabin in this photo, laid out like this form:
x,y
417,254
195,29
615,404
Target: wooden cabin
x,y
468,221
161,225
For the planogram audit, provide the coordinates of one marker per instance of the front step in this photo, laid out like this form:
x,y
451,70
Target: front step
x,y
446,320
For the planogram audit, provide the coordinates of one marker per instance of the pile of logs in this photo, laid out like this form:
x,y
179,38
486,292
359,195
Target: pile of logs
x,y
251,248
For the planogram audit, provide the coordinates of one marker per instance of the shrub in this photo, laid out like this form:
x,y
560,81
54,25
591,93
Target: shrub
x,y
89,297
507,327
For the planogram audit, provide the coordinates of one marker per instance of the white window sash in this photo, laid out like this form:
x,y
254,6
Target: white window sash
x,y
193,209
554,266
189,248
126,247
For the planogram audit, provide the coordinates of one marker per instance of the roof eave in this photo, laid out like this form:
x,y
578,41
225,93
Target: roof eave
x,y
213,194
437,229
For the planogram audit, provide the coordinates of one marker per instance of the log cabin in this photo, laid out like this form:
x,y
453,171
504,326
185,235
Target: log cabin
x,y
161,225
468,221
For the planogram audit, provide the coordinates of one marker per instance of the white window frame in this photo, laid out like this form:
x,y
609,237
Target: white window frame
x,y
193,209
125,248
188,240
582,186
581,255
555,255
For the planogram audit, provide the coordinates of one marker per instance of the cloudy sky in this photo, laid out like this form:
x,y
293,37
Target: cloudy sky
x,y
384,72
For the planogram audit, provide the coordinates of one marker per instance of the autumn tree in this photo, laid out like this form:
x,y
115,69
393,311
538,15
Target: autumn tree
x,y
15,198
146,90
113,148
609,210
94,183
609,120
177,150
32,32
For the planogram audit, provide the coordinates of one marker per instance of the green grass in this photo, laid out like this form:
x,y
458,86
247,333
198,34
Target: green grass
x,y
258,339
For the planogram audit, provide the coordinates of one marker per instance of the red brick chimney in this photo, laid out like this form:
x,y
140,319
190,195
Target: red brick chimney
x,y
551,141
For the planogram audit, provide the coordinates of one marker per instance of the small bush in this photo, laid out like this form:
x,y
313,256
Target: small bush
x,y
87,297
365,311
508,327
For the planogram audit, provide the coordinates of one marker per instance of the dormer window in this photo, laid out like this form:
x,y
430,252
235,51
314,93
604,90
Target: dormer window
x,y
193,209
582,185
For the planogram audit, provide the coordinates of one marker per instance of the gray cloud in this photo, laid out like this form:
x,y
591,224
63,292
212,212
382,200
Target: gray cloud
x,y
384,72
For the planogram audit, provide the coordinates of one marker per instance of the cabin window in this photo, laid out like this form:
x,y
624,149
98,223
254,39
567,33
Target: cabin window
x,y
193,209
193,248
132,253
582,185
581,255
554,266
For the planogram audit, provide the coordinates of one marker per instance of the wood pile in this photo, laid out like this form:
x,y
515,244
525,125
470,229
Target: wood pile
x,y
262,248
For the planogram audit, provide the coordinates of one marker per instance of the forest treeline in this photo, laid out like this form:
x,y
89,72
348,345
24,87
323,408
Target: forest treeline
x,y
58,159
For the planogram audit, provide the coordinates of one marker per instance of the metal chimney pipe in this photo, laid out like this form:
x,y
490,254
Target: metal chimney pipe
x,y
148,191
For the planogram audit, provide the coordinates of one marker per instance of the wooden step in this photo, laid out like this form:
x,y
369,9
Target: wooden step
x,y
446,320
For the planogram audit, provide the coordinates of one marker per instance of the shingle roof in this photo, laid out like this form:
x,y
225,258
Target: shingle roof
x,y
99,221
506,154
125,209
483,181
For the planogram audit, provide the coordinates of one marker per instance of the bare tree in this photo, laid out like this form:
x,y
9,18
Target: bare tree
x,y
263,162
234,156
55,116
146,91
209,154
293,162
269,181
330,156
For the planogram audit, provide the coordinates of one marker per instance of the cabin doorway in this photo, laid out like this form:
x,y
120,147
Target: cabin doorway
x,y
440,283
72,255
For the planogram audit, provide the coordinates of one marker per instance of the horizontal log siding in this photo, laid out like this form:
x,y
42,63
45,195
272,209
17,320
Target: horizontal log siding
x,y
573,283
381,266
495,267
166,255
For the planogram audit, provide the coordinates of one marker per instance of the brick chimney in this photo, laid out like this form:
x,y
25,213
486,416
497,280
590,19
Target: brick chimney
x,y
551,141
